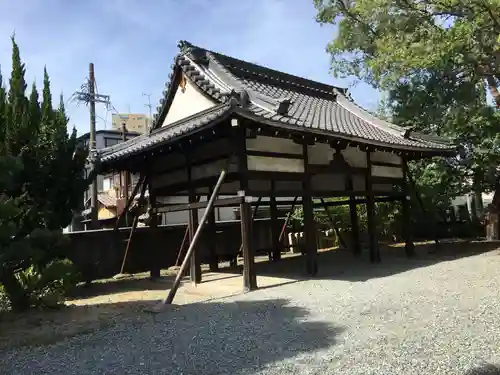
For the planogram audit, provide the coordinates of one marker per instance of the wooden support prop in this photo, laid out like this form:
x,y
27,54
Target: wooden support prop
x,y
197,234
287,219
332,222
420,201
184,240
134,225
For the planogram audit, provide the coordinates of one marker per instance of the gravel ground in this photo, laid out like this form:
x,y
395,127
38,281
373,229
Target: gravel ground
x,y
438,319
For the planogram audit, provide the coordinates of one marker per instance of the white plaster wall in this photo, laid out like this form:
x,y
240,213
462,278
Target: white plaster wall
x,y
383,171
187,103
273,164
355,157
264,143
320,153
385,157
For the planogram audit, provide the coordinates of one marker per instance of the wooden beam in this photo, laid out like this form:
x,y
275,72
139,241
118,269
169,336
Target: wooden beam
x,y
370,215
155,267
275,231
309,225
224,202
195,269
194,241
249,273
212,241
407,225
353,214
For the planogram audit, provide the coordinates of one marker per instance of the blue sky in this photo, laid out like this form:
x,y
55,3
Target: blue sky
x,y
132,44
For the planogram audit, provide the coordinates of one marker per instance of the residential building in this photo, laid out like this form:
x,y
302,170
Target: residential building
x,y
133,121
107,185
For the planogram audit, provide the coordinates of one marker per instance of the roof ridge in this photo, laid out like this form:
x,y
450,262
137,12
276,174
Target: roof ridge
x,y
187,47
261,100
400,131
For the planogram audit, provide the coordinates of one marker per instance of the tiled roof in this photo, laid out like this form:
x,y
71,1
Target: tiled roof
x,y
160,135
313,105
274,97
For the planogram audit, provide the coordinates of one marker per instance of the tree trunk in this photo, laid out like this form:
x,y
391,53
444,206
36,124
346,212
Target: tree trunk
x,y
492,85
15,292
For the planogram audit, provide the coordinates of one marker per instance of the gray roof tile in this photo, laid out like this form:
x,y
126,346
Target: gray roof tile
x,y
315,106
167,133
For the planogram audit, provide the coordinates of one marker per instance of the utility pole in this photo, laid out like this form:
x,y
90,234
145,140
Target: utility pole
x,y
126,175
89,96
93,147
150,111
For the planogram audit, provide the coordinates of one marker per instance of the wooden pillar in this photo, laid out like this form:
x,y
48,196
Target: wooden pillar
x,y
356,249
275,229
195,268
247,245
370,213
212,241
249,274
155,268
309,226
407,224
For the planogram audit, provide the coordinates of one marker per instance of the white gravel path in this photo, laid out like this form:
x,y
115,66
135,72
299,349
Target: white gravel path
x,y
439,319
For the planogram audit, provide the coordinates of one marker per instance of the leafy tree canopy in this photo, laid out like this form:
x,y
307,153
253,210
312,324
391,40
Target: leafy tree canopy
x,y
436,60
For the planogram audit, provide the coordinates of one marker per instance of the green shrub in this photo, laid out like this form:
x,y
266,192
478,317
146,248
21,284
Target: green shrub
x,y
48,285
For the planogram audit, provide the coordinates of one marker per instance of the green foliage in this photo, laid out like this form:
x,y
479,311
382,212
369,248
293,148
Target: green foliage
x,y
47,285
435,60
388,218
40,184
381,41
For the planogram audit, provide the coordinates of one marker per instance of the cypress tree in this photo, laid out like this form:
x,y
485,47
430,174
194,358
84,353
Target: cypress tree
x,y
46,187
3,108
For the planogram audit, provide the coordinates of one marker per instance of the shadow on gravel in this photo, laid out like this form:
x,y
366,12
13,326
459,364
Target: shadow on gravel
x,y
342,265
487,369
128,284
199,338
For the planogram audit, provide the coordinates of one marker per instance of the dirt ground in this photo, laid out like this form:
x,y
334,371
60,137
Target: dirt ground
x,y
106,302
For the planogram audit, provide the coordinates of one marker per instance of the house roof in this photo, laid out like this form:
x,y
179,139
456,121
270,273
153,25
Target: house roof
x,y
275,98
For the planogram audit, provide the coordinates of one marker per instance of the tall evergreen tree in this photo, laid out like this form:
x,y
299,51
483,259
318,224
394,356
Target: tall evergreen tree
x,y
46,185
